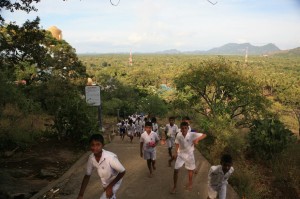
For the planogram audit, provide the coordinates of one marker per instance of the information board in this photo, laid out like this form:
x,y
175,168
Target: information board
x,y
92,95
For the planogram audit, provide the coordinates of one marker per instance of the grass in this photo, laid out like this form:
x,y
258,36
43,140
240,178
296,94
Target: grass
x,y
255,178
286,172
17,129
245,181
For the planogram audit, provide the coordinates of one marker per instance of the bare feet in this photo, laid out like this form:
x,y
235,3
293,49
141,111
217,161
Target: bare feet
x,y
173,190
188,187
150,175
170,161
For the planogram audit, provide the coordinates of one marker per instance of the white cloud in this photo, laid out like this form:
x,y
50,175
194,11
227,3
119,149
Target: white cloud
x,y
148,25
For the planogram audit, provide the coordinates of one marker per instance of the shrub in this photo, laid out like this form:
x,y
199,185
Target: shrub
x,y
19,129
61,99
287,184
152,104
110,107
74,119
222,137
268,137
246,182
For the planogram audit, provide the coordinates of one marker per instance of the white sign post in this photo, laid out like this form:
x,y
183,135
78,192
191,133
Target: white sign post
x,y
92,97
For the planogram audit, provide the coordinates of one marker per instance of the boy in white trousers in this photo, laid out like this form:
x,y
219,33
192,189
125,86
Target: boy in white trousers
x,y
184,154
218,178
171,130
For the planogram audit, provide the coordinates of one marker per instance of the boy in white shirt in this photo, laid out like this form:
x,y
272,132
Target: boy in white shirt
x,y
123,128
155,126
218,178
118,126
171,130
148,141
139,127
109,169
184,154
130,130
188,120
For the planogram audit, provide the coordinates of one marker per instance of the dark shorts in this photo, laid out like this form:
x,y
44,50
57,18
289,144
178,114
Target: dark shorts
x,y
122,131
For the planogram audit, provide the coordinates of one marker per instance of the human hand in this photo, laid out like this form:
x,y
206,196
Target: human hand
x,y
196,142
175,156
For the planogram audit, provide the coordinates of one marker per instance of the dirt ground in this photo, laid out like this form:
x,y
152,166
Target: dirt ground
x,y
52,169
136,183
26,172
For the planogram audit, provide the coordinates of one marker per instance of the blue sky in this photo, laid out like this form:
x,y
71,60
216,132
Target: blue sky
x,y
95,26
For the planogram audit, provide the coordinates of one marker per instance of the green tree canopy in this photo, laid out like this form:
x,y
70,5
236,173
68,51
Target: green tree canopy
x,y
291,98
34,46
217,88
153,105
22,44
269,137
24,5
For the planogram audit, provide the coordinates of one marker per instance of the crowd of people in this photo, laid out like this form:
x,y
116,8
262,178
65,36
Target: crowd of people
x,y
133,126
180,148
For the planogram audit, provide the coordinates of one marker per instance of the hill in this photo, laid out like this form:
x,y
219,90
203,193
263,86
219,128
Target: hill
x,y
240,49
230,49
291,52
171,51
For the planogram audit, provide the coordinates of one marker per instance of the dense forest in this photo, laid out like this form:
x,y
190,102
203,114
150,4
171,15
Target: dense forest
x,y
275,79
248,109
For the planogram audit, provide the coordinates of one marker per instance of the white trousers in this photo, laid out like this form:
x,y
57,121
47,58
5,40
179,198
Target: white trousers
x,y
170,142
214,191
114,190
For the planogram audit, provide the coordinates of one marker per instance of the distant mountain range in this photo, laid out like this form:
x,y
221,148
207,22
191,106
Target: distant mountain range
x,y
227,49
291,52
230,49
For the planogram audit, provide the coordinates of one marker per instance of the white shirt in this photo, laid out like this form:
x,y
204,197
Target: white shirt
x,y
216,176
139,125
155,127
186,144
146,139
171,130
131,128
123,126
119,124
107,168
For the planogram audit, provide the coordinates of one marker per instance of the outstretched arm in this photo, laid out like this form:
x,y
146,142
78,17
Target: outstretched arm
x,y
84,184
200,138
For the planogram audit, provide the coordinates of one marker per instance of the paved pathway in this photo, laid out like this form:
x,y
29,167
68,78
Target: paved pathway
x,y
136,183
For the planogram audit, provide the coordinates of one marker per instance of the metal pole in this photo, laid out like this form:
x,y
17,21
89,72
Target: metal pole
x,y
100,117
118,114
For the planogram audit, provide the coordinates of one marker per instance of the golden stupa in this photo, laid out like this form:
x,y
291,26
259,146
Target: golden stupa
x,y
56,33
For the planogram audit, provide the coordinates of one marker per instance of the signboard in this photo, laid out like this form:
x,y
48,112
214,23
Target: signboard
x,y
92,95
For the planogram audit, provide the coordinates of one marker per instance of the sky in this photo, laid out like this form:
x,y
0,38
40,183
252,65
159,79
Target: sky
x,y
96,26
